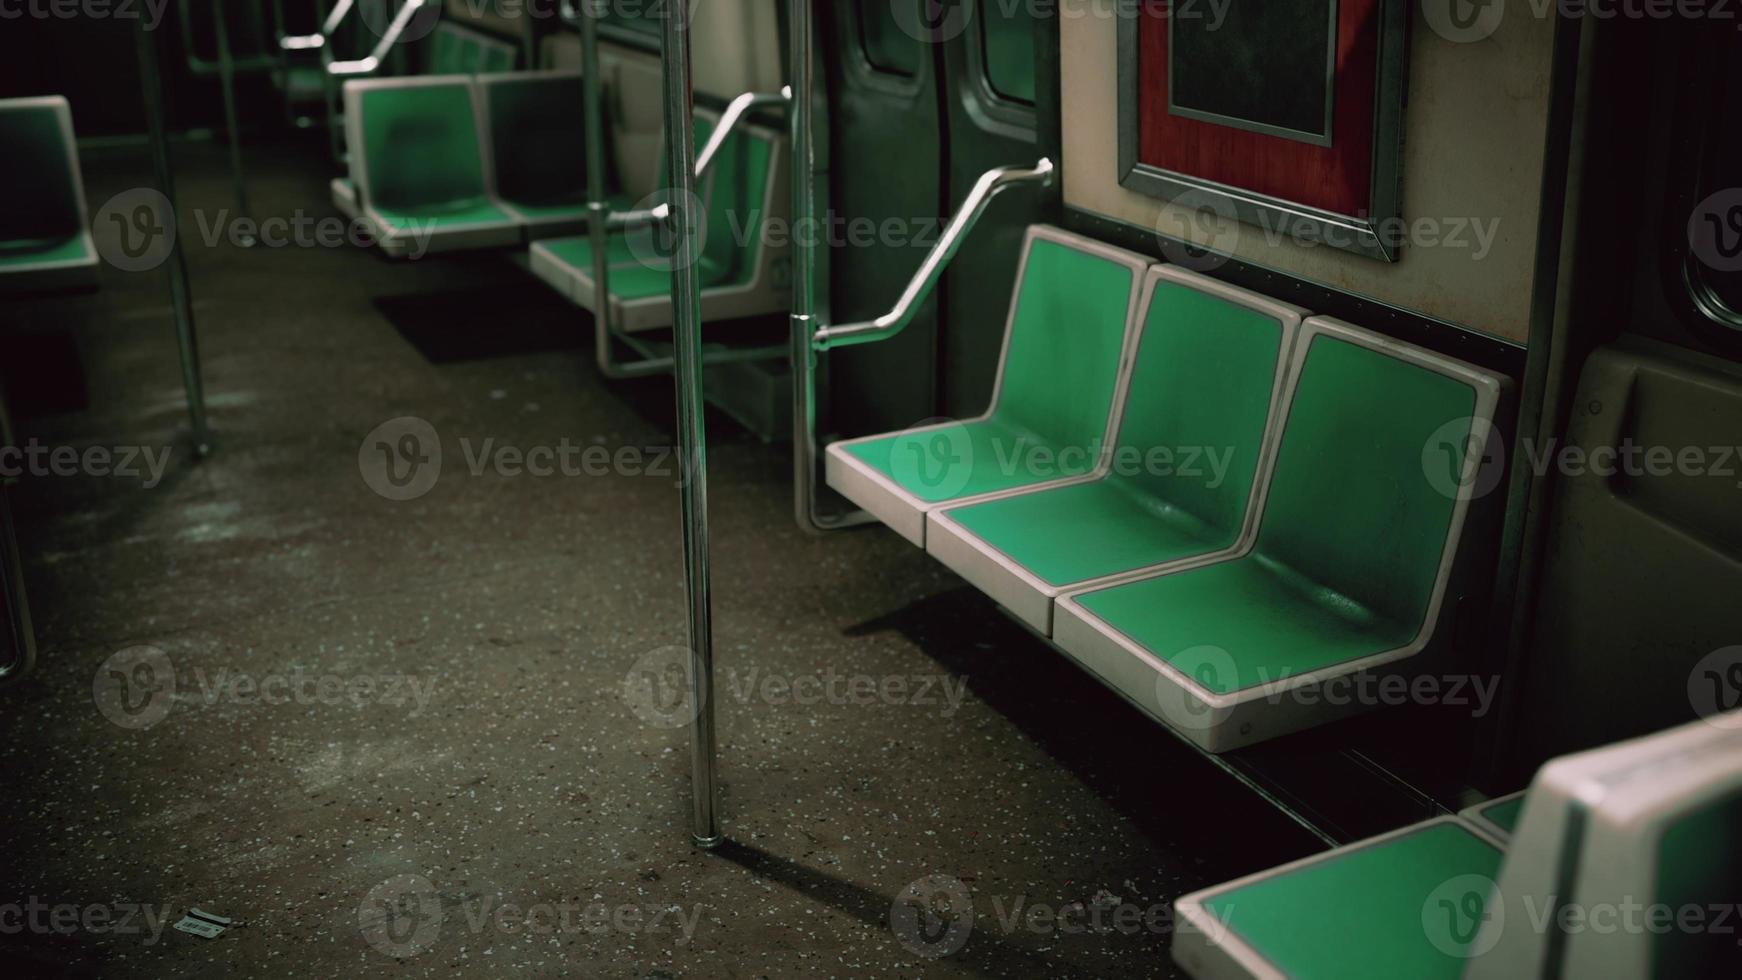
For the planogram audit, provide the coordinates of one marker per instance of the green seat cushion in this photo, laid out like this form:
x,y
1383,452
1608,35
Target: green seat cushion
x,y
641,282
1086,531
1186,456
1350,543
966,459
1367,912
631,278
16,255
578,252
1060,366
1271,622
444,215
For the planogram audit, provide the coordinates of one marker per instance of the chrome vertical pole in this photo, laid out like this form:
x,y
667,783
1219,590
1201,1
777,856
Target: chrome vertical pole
x,y
805,242
804,357
686,308
598,212
227,76
180,295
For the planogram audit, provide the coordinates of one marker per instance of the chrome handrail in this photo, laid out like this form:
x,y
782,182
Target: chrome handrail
x,y
311,42
810,335
368,65
925,279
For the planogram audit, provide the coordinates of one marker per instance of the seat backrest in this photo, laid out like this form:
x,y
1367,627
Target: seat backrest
x,y
537,126
418,139
1649,822
1205,383
1067,338
736,195
48,202
1351,506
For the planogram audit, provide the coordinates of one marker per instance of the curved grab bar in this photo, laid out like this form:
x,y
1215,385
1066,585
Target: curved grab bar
x,y
736,110
389,37
932,269
314,42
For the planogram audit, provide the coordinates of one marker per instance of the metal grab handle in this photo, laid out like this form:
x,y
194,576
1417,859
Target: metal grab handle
x,y
312,42
736,111
389,37
925,279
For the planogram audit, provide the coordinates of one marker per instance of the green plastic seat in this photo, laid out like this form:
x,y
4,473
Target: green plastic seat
x,y
1352,913
1651,823
739,195
1190,446
45,236
537,127
1053,408
1346,573
419,166
1652,820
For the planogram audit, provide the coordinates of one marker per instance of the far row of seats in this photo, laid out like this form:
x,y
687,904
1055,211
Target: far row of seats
x,y
456,50
1623,863
470,161
1211,500
741,272
45,232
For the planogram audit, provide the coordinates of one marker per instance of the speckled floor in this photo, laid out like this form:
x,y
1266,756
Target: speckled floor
x,y
417,738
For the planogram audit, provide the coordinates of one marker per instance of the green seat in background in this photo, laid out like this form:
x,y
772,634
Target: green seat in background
x,y
45,235
1209,369
1347,568
739,193
1053,408
419,166
537,127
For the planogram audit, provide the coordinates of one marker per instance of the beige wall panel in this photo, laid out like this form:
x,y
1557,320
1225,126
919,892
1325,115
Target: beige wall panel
x,y
1474,128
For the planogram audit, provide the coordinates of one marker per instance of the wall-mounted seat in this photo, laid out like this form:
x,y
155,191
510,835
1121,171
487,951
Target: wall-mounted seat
x,y
1652,822
538,149
45,231
742,192
1192,439
1353,552
1059,383
419,166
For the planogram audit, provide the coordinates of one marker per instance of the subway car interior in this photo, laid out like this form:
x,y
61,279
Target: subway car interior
x,y
885,488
